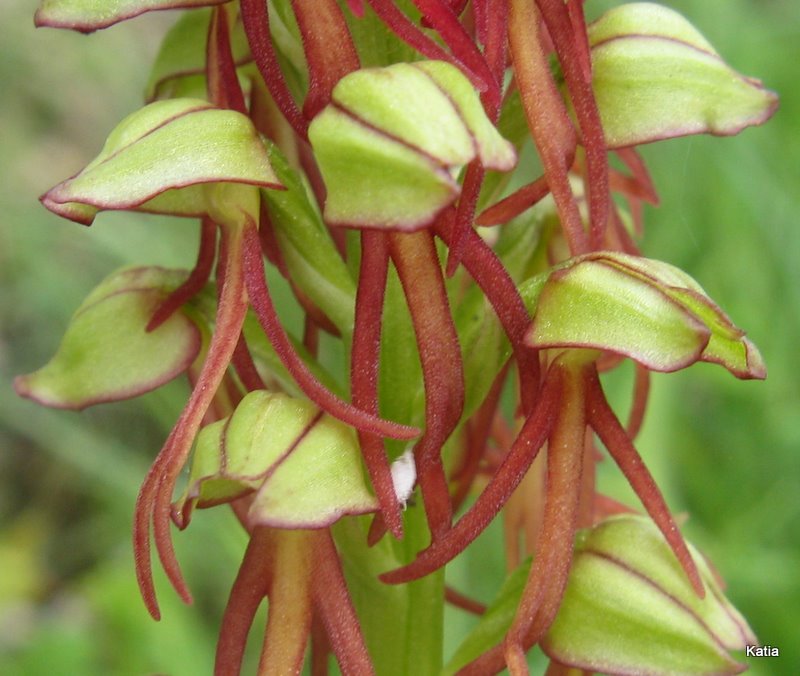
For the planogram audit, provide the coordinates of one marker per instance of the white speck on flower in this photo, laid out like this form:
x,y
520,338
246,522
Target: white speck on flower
x,y
404,474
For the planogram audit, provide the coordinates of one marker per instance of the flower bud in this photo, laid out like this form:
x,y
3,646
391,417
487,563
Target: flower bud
x,y
107,354
161,159
629,609
392,141
644,309
303,466
655,77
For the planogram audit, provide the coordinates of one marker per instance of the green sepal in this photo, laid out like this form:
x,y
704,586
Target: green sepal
x,y
87,16
373,180
727,344
647,310
629,608
393,139
492,150
656,77
314,263
160,158
106,354
303,466
181,62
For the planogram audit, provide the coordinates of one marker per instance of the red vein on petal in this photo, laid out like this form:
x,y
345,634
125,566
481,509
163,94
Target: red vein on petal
x,y
508,476
364,365
43,16
417,264
313,389
621,448
256,26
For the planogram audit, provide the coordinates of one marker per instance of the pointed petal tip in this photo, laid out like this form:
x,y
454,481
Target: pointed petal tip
x,y
756,368
72,211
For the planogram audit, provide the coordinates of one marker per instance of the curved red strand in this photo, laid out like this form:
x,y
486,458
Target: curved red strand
x,y
572,51
332,602
546,114
256,26
621,448
223,85
508,476
328,45
196,280
402,26
491,276
364,363
417,264
308,383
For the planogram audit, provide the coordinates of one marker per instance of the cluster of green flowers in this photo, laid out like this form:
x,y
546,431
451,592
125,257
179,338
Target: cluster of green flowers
x,y
366,153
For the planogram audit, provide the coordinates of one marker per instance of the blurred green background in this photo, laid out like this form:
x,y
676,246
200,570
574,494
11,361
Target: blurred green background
x,y
725,451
